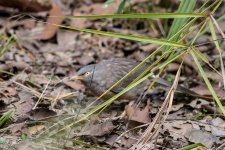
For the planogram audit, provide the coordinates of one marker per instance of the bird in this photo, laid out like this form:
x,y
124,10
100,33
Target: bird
x,y
101,76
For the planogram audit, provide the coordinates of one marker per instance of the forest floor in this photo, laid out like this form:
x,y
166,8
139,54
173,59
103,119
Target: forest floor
x,y
36,56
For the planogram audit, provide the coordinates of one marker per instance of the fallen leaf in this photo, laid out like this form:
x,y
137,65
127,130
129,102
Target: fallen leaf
x,y
24,105
203,90
28,5
50,30
176,107
217,127
39,78
198,103
99,129
138,114
218,122
177,129
205,138
8,91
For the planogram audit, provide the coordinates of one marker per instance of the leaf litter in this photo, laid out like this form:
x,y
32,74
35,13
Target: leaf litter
x,y
42,53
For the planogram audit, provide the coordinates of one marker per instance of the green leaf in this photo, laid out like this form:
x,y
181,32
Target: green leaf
x,y
5,117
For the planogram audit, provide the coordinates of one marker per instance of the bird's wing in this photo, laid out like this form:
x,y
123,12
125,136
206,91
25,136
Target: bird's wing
x,y
119,68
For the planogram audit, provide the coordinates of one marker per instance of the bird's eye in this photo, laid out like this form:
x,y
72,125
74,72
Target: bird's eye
x,y
87,73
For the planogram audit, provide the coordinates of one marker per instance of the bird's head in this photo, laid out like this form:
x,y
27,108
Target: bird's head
x,y
85,74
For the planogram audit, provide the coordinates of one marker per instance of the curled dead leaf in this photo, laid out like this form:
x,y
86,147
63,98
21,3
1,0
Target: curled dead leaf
x,y
138,114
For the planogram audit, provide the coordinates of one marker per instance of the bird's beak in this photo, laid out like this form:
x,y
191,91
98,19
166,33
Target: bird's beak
x,y
77,77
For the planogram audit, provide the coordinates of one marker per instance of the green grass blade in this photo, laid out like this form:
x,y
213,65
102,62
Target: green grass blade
x,y
184,7
126,36
214,37
189,147
209,85
121,6
5,117
137,16
6,44
202,56
87,145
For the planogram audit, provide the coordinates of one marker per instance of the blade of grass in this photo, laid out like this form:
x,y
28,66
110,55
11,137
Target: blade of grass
x,y
202,72
138,16
121,6
213,33
184,7
216,7
125,36
4,48
5,117
189,147
169,51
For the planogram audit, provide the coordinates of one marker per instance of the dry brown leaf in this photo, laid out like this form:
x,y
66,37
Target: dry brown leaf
x,y
28,5
99,129
138,114
205,138
24,106
203,90
8,91
39,78
177,129
50,30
